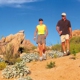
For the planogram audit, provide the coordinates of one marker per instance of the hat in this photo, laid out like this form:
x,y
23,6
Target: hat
x,y
40,19
63,14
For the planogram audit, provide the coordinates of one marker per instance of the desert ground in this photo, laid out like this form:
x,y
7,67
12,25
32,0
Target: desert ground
x,y
66,69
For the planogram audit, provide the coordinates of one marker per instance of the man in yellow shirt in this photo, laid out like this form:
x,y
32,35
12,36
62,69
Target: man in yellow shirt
x,y
41,32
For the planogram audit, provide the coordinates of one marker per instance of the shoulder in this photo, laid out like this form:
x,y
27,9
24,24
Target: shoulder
x,y
37,26
44,25
60,21
67,20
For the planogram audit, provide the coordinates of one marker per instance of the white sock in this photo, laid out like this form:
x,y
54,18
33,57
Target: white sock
x,y
44,56
67,50
40,58
64,52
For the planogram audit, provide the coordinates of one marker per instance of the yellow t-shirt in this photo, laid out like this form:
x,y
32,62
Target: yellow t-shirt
x,y
41,29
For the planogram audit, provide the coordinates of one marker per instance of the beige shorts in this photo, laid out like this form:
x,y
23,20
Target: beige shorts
x,y
64,37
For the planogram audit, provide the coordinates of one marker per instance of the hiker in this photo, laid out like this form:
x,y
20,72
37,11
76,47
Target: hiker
x,y
65,31
40,35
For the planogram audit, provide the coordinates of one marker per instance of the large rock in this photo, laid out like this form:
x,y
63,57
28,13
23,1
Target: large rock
x,y
17,40
27,44
75,33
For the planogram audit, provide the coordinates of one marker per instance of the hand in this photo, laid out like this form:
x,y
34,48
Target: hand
x,y
34,38
70,36
45,36
60,32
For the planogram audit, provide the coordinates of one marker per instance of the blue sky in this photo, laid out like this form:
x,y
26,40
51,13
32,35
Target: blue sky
x,y
16,15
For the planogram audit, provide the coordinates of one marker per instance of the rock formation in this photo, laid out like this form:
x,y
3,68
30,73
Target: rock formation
x,y
75,33
17,40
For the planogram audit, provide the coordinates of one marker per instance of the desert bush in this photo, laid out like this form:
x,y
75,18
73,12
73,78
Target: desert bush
x,y
75,44
55,54
74,55
28,57
26,78
17,70
2,65
26,50
18,60
1,59
56,47
75,40
75,47
34,47
9,56
50,65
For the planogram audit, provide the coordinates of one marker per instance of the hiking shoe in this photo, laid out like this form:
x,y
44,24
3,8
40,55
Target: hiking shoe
x,y
65,54
68,53
40,58
44,56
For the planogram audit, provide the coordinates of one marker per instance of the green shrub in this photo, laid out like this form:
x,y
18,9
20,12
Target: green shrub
x,y
2,65
50,65
75,45
56,47
55,56
75,40
26,78
16,70
26,50
34,47
9,56
18,60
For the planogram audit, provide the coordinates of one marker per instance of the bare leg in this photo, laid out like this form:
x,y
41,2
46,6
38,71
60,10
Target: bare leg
x,y
40,49
63,47
67,44
44,49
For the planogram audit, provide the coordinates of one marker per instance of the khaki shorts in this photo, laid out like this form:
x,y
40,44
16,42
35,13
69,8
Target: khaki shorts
x,y
64,37
41,39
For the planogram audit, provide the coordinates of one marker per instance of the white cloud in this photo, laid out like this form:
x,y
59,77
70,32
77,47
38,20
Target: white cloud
x,y
16,3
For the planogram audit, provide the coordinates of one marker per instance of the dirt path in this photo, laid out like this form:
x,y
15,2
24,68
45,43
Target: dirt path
x,y
66,69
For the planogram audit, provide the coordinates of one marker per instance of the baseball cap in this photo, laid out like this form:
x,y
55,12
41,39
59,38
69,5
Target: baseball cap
x,y
63,14
40,19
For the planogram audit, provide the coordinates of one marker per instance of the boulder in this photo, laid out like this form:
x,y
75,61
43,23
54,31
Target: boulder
x,y
75,33
16,41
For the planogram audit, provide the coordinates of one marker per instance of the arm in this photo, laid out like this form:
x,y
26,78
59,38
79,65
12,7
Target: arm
x,y
57,28
35,33
60,32
70,31
46,31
